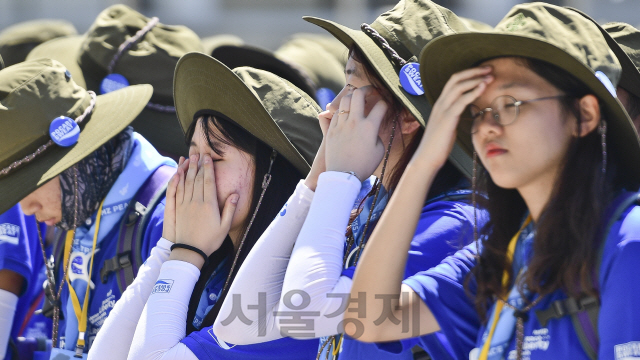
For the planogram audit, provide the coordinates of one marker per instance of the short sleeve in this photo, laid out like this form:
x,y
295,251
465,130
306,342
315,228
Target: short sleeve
x,y
619,321
442,289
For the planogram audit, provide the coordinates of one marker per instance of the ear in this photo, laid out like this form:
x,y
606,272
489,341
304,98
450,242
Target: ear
x,y
408,123
590,115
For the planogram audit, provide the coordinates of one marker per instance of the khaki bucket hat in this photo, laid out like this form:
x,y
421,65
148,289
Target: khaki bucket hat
x,y
407,28
549,33
150,60
624,40
267,106
210,43
18,40
33,94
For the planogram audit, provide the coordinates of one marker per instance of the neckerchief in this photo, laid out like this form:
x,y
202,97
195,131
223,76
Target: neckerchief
x,y
505,327
144,160
210,294
96,175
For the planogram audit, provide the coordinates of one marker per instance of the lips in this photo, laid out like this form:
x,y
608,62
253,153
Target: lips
x,y
493,149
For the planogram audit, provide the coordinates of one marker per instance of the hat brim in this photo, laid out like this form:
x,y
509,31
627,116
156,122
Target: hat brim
x,y
389,75
159,128
630,79
112,113
448,55
202,83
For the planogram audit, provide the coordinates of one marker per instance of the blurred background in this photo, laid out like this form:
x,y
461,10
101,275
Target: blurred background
x,y
267,23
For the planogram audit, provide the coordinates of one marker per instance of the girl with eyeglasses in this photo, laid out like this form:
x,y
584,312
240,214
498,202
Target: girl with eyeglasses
x,y
551,274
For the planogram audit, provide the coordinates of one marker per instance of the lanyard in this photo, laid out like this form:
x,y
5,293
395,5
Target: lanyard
x,y
505,282
81,312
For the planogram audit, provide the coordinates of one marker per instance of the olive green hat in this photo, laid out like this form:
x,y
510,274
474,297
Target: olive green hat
x,y
267,106
476,25
624,40
18,40
552,34
211,43
33,94
407,28
626,46
151,60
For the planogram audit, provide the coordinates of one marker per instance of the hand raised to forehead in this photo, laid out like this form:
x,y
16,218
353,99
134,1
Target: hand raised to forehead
x,y
352,142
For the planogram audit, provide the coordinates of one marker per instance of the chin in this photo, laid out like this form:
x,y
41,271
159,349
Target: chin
x,y
505,181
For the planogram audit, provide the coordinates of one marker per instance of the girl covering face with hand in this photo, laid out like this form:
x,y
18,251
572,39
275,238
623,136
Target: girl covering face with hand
x,y
558,154
251,136
372,127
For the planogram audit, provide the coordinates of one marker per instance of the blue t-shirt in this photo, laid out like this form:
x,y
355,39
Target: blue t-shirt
x,y
20,251
442,289
103,297
444,228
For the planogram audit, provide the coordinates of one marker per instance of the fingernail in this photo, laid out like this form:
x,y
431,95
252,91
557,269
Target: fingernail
x,y
485,67
193,157
488,78
234,198
207,159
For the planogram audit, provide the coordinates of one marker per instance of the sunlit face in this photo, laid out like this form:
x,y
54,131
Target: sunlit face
x,y
234,173
534,146
45,203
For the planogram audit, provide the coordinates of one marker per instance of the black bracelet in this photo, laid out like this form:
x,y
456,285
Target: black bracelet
x,y
194,249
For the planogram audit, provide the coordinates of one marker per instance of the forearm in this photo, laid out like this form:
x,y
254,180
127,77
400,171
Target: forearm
x,y
261,276
8,303
162,324
114,338
381,268
315,267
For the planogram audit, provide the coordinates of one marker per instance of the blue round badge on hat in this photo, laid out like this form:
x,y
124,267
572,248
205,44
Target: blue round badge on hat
x,y
64,131
113,82
410,79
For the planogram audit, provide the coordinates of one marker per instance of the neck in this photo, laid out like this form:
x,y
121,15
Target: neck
x,y
236,237
397,149
536,194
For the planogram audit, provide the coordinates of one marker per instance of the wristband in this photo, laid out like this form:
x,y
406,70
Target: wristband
x,y
194,249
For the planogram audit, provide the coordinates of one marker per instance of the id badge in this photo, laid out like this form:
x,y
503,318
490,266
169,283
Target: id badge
x,y
64,354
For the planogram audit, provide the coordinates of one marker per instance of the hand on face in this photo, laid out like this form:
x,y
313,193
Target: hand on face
x,y
440,134
169,223
352,142
198,220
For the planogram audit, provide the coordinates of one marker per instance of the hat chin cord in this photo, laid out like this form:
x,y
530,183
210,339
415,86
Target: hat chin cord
x,y
44,147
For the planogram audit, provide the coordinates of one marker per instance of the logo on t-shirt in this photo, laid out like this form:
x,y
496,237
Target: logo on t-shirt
x,y
162,286
628,351
9,233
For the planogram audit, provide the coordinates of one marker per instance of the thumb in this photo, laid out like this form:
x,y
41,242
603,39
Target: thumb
x,y
228,211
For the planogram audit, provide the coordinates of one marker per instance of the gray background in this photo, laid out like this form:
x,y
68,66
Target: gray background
x,y
267,23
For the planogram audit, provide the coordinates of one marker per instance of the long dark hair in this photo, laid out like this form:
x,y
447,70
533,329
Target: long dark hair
x,y
283,182
447,178
569,229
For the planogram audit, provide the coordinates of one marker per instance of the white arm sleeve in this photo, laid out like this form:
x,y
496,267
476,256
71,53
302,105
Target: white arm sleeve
x,y
114,338
261,276
162,324
8,302
315,266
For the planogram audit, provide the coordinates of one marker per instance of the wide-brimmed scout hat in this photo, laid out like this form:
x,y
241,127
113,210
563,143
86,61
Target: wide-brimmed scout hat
x,y
552,34
267,106
151,60
407,28
213,42
624,40
33,94
18,40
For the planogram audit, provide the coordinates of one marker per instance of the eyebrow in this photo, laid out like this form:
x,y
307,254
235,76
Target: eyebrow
x,y
514,84
352,71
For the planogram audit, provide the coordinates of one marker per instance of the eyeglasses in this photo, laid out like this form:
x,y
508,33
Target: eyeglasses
x,y
504,110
